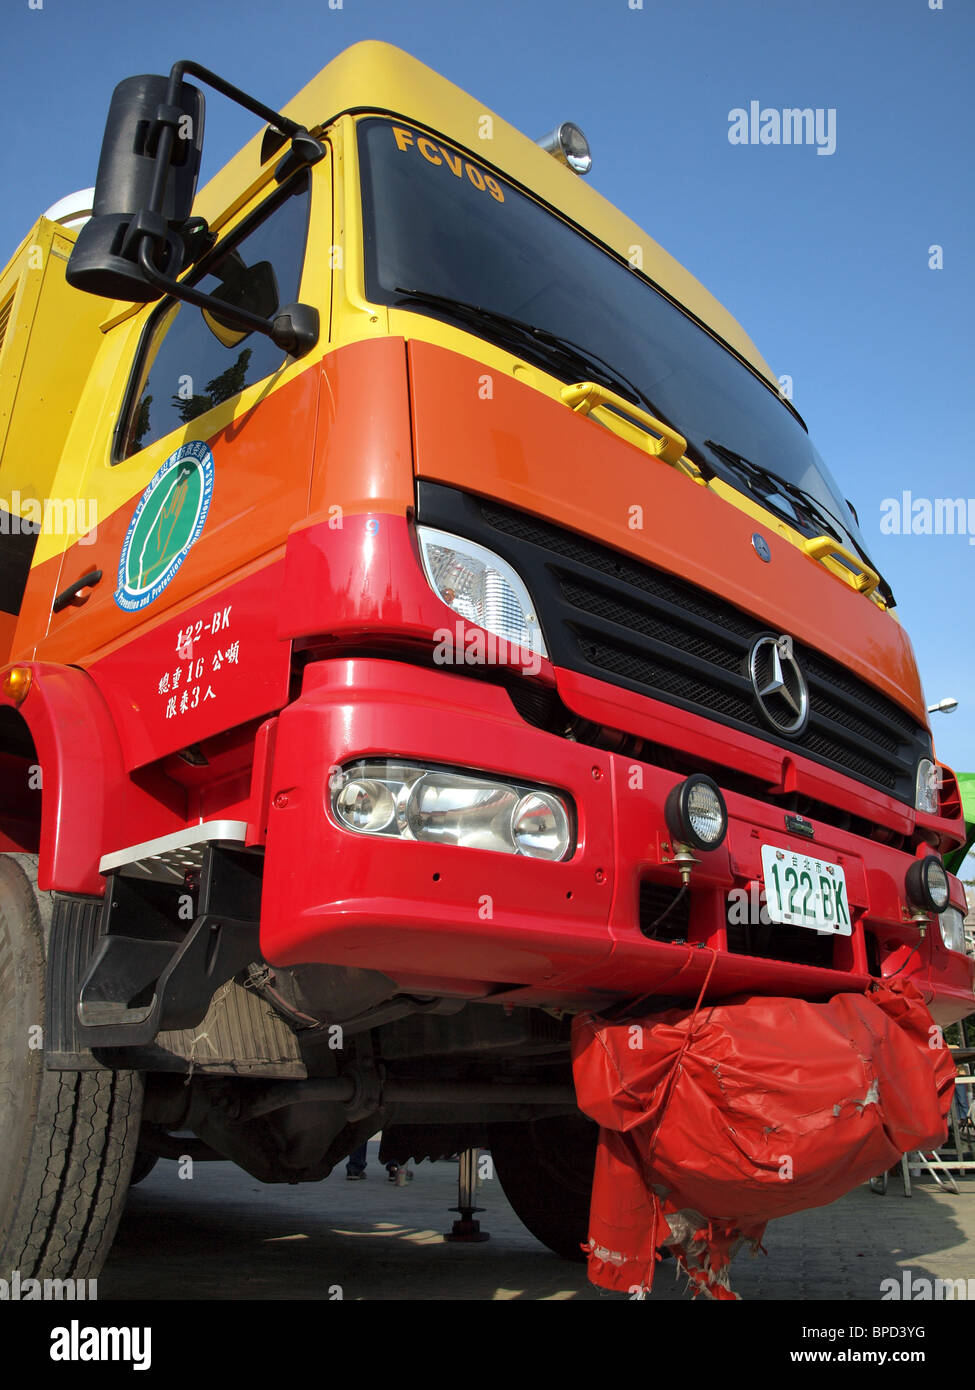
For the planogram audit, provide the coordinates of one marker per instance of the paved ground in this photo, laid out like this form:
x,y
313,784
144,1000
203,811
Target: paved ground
x,y
223,1235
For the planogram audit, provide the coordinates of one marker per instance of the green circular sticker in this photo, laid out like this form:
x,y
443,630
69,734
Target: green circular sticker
x,y
168,520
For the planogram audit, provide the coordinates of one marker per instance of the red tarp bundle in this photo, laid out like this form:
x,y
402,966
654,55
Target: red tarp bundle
x,y
715,1120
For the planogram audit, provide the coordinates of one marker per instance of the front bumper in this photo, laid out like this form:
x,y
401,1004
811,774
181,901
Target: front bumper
x,y
440,919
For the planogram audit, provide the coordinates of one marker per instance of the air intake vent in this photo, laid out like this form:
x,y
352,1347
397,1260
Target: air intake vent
x,y
665,911
775,941
6,309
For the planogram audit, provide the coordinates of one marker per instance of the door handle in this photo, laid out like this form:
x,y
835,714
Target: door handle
x,y
75,593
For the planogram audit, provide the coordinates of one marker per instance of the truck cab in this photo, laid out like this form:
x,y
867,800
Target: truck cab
x,y
486,643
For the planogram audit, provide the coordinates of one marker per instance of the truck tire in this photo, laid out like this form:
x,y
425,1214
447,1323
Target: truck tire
x,y
142,1167
545,1168
67,1139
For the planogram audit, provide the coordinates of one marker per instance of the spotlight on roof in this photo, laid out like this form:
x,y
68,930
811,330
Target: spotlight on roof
x,y
569,146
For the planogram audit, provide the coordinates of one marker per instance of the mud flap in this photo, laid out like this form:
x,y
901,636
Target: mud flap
x,y
715,1120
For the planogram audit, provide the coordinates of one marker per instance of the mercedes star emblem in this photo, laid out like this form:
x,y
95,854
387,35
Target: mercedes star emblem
x,y
779,685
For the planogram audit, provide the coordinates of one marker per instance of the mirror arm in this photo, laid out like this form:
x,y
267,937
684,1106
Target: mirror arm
x,y
242,317
305,149
141,193
164,150
186,66
294,329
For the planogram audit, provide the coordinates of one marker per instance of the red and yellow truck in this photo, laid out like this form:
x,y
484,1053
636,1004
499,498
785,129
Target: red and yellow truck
x,y
424,621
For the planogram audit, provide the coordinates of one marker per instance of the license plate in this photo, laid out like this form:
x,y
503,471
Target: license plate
x,y
802,891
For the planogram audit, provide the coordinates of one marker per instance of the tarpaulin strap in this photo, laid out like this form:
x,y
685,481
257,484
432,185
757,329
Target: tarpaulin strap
x,y
675,1069
628,1010
647,1280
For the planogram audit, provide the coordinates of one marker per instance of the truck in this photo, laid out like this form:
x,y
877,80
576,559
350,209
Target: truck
x,y
425,620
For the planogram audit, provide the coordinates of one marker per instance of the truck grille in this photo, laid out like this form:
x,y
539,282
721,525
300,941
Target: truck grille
x,y
664,911
797,945
610,616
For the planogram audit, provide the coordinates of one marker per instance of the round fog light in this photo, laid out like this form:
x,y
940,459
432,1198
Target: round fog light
x,y
365,805
695,812
927,884
540,827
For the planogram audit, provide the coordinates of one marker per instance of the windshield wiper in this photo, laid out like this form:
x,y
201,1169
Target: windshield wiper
x,y
579,357
764,483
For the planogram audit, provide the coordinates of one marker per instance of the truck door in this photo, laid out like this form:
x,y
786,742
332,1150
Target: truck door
x,y
48,336
199,466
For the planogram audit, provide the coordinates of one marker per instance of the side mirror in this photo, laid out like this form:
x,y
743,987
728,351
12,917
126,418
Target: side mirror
x,y
141,235
147,175
254,288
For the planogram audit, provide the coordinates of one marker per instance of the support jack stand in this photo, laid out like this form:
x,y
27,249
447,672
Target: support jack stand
x,y
466,1230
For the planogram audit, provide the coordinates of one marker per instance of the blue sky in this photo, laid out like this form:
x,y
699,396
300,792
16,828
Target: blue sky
x,y
823,258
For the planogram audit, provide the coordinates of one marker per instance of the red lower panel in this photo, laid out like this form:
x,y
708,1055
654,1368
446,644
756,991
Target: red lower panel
x,y
200,671
709,1127
417,910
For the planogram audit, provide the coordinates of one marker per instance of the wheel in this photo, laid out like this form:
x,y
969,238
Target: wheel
x,y
545,1168
143,1166
67,1139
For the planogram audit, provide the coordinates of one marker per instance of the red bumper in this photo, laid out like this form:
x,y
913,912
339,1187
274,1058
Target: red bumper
x,y
469,921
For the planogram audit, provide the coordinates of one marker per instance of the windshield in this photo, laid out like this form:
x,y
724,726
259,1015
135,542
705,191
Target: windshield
x,y
442,231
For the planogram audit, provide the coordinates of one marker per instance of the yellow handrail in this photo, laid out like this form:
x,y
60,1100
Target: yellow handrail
x,y
821,547
584,396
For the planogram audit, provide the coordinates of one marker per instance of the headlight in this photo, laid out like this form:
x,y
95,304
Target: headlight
x,y
695,812
364,804
408,802
952,924
481,587
927,884
539,825
926,787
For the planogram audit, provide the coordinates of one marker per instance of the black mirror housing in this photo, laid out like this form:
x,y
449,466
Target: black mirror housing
x,y
130,147
105,256
141,234
295,329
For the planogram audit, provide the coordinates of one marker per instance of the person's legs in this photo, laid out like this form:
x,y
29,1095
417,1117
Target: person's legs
x,y
355,1166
